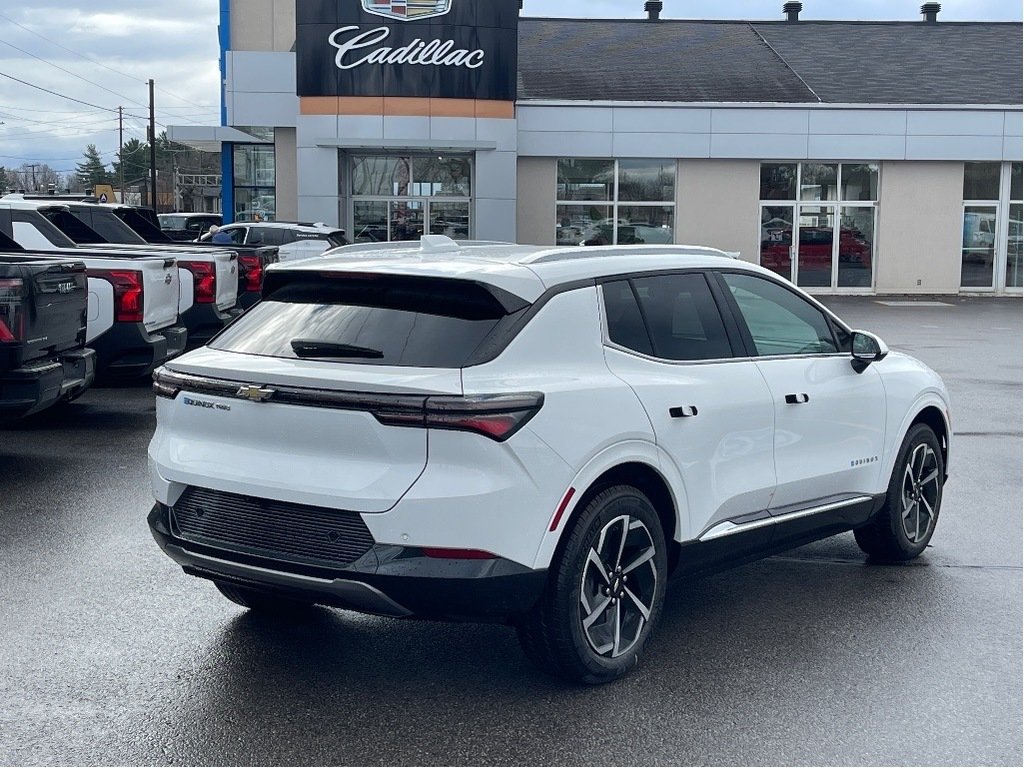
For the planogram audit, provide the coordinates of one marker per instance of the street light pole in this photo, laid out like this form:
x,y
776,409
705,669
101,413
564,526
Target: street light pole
x,y
152,148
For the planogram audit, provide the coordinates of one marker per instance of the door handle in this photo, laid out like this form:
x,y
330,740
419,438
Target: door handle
x,y
798,399
682,411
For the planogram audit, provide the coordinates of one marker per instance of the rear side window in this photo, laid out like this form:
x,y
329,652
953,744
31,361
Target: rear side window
x,y
673,317
683,318
372,320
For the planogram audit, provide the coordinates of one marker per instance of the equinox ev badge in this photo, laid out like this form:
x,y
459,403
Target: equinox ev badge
x,y
205,404
256,393
407,10
65,287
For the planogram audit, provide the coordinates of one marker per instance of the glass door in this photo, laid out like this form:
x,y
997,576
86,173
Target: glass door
x,y
814,257
777,239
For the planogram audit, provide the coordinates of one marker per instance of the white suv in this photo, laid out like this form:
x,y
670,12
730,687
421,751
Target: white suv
x,y
294,240
536,436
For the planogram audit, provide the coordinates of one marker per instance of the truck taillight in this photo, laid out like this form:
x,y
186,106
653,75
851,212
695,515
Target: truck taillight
x,y
129,293
204,280
250,270
12,311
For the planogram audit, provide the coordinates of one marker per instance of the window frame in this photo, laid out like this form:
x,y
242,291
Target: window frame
x,y
835,209
1003,206
615,203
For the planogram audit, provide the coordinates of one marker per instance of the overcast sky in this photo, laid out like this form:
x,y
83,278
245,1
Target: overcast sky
x,y
117,50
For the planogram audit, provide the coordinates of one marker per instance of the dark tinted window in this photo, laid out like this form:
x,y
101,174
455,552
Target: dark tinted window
x,y
112,228
374,321
625,323
267,236
780,322
683,318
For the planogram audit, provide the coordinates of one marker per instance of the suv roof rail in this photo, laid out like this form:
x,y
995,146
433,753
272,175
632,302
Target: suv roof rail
x,y
568,253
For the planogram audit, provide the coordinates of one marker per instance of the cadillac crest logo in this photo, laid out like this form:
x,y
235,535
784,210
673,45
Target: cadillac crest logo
x,y
407,10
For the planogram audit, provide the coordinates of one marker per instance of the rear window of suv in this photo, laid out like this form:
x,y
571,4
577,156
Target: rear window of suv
x,y
373,320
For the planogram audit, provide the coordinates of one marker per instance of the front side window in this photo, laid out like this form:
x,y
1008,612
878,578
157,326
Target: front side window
x,y
780,322
615,202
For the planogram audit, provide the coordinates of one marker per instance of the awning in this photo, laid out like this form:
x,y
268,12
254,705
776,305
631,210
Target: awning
x,y
209,138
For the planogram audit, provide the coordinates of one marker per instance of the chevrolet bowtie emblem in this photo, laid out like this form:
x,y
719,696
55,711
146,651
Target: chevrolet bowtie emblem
x,y
256,393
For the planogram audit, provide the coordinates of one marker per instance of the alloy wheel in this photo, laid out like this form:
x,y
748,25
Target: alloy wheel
x,y
618,586
920,493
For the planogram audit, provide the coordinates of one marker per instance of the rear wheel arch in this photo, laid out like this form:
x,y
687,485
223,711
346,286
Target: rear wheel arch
x,y
645,479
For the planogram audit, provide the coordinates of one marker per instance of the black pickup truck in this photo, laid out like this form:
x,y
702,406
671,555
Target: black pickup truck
x,y
43,309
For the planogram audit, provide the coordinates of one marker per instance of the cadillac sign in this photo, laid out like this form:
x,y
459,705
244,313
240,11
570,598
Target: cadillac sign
x,y
456,49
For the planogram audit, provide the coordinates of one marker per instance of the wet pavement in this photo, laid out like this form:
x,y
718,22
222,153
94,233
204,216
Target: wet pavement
x,y
110,654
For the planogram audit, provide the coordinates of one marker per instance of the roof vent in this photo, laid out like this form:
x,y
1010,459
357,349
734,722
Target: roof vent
x,y
930,12
792,11
653,8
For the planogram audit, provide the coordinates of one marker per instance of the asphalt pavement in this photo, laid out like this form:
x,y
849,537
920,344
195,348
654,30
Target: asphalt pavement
x,y
109,654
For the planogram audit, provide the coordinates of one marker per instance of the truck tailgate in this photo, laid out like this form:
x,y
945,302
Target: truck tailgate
x,y
160,291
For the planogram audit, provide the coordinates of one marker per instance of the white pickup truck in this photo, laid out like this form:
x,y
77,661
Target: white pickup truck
x,y
132,321
209,277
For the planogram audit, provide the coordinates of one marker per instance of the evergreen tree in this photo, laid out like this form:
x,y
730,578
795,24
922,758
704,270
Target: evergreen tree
x,y
4,184
92,171
135,158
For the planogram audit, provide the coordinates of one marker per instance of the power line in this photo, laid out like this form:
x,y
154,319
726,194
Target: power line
x,y
97,63
54,93
73,74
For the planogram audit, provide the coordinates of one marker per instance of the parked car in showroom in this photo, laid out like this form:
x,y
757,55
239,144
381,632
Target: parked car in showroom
x,y
294,240
538,436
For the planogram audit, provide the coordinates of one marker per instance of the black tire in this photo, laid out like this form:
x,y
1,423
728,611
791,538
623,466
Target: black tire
x,y
556,635
905,525
262,602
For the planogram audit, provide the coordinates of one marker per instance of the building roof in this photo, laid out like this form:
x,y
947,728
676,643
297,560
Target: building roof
x,y
838,62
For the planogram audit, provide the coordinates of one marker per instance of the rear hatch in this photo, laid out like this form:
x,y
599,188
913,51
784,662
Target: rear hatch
x,y
318,395
160,291
43,306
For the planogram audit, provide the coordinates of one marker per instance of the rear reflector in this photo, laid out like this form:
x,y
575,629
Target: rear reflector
x,y
458,554
561,509
129,296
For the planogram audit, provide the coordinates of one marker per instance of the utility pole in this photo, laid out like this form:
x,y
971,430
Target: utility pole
x,y
120,145
152,147
33,166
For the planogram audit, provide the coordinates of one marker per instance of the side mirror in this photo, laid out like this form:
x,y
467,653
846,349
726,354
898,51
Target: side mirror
x,y
866,349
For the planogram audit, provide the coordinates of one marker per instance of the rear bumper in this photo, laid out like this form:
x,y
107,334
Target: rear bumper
x,y
204,321
128,351
388,580
38,385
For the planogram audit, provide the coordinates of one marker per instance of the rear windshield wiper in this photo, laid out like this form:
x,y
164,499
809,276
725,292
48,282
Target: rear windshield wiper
x,y
309,348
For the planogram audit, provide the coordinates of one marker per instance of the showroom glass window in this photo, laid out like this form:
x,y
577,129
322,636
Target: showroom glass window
x,y
403,197
818,222
991,246
615,202
255,171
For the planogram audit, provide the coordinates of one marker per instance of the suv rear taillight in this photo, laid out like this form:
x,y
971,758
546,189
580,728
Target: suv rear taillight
x,y
495,416
129,294
204,280
250,273
12,310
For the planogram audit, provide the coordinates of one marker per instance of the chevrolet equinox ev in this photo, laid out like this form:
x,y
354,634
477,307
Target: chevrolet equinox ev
x,y
536,436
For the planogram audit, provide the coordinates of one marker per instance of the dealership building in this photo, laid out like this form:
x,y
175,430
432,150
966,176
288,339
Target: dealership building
x,y
850,157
